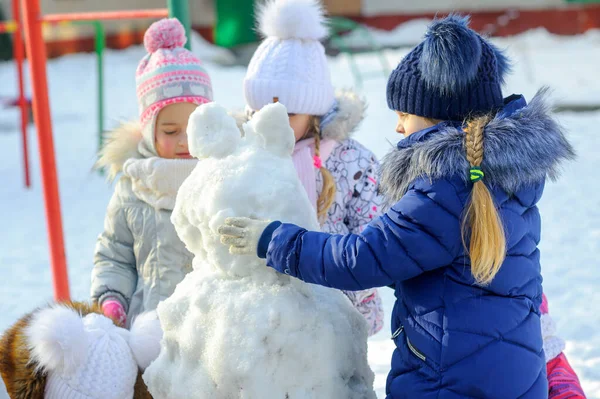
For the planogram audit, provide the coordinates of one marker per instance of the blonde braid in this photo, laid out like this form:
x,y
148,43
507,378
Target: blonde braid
x,y
488,242
328,191
474,140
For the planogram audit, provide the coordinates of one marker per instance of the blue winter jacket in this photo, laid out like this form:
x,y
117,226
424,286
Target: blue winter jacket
x,y
454,338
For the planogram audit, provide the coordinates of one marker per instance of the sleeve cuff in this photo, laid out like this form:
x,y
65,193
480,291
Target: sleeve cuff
x,y
265,239
114,295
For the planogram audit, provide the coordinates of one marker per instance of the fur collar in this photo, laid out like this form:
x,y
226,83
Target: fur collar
x,y
350,112
154,180
521,147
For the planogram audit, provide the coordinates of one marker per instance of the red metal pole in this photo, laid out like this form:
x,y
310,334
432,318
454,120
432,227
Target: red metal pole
x,y
106,15
36,52
18,53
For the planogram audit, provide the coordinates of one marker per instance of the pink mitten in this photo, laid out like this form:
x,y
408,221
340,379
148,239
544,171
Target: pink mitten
x,y
112,308
544,306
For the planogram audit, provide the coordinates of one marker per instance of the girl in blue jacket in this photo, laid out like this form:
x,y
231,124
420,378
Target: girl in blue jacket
x,y
460,240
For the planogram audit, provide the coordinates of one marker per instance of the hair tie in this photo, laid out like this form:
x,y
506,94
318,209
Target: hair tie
x,y
476,174
317,162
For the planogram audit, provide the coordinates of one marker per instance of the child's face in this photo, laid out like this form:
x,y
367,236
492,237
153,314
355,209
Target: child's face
x,y
171,137
299,122
409,123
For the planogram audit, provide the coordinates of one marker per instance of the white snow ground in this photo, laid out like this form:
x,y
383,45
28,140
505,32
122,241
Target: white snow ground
x,y
570,208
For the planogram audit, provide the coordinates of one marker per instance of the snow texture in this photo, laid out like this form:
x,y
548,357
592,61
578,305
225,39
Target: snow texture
x,y
216,134
235,328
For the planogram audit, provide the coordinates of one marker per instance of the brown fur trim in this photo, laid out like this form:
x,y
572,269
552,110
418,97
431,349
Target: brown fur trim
x,y
18,372
119,145
141,390
20,377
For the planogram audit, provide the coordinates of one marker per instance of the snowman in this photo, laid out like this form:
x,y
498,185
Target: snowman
x,y
235,328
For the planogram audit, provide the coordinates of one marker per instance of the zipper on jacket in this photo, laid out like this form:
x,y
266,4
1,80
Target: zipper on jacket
x,y
397,332
415,351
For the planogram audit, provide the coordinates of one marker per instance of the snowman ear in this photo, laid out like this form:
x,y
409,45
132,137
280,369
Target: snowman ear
x,y
272,123
57,339
144,338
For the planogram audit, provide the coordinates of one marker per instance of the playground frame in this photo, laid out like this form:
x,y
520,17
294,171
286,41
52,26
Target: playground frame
x,y
31,26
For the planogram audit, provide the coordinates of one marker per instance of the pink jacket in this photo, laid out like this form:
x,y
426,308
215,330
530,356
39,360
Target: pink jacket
x,y
355,170
562,380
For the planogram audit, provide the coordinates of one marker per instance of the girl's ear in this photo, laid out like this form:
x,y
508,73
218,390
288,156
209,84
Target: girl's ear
x,y
57,339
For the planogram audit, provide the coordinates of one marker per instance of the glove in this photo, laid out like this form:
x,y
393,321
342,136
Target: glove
x,y
242,234
113,309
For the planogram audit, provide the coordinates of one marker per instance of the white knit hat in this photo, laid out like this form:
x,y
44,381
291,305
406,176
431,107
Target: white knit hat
x,y
290,63
90,357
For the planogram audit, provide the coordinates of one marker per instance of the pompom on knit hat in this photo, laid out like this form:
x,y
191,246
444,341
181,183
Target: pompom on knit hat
x,y
168,74
453,74
90,357
290,63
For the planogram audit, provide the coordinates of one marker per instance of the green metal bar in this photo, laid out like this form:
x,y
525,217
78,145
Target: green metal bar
x,y
180,9
100,43
234,22
99,46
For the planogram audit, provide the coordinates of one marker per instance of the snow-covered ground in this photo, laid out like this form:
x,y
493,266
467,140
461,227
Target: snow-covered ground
x,y
570,208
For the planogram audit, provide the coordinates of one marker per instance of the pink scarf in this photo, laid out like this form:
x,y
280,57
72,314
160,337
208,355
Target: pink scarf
x,y
306,164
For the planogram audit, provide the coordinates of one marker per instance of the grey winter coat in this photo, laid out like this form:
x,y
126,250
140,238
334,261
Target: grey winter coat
x,y
139,259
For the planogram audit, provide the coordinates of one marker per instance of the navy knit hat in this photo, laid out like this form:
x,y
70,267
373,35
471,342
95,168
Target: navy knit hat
x,y
453,74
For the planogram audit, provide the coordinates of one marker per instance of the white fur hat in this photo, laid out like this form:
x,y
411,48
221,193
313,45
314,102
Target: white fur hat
x,y
290,63
89,357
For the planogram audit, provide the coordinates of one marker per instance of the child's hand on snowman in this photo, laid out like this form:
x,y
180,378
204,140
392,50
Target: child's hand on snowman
x,y
242,234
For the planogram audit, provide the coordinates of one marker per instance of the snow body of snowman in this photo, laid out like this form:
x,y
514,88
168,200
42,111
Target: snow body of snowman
x,y
235,328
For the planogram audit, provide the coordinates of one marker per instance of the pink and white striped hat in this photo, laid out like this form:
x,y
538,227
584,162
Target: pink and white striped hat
x,y
169,74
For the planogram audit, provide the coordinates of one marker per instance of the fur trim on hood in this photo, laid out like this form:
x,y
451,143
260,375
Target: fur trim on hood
x,y
522,148
350,112
120,145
